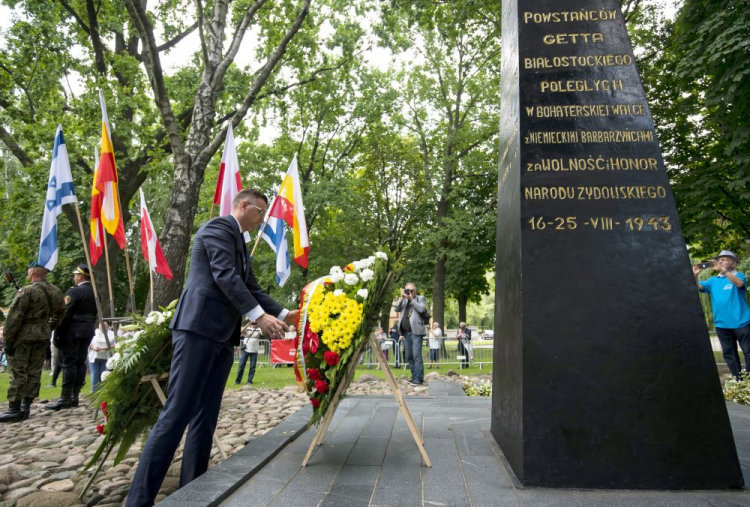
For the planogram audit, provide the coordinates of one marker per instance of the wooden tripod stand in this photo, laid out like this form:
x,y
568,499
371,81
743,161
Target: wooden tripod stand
x,y
395,390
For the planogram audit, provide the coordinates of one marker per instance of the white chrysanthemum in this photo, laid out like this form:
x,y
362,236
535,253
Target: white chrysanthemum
x,y
112,361
363,293
160,319
337,276
364,264
351,279
105,374
357,265
335,269
338,292
367,275
150,319
381,255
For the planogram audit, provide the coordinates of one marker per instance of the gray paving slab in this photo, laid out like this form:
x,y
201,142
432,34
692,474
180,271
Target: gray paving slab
x,y
368,451
455,389
353,487
381,423
436,427
370,459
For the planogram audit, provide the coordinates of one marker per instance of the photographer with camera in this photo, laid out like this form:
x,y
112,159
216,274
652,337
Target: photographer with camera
x,y
412,310
728,292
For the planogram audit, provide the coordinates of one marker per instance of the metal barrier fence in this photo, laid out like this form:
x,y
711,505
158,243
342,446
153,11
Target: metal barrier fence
x,y
480,354
264,353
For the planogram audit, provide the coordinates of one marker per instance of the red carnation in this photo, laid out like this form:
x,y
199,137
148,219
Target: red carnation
x,y
100,429
104,407
321,386
331,358
315,403
314,374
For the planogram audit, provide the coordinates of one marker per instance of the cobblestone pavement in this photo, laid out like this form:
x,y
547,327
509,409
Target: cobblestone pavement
x,y
41,459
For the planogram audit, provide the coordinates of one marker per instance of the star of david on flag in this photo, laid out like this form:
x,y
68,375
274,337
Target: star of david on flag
x,y
60,191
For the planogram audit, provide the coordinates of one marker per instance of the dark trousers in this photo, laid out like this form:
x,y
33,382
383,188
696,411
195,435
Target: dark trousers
x,y
74,356
243,361
729,339
199,372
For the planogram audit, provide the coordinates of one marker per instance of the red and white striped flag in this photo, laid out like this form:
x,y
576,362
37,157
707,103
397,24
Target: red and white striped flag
x,y
150,246
229,182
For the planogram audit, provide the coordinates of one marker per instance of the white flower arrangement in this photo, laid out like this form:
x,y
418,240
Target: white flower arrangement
x,y
105,374
351,279
367,274
381,255
363,292
112,361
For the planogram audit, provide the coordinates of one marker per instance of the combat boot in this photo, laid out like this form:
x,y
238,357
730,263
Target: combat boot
x,y
26,408
64,401
13,414
74,397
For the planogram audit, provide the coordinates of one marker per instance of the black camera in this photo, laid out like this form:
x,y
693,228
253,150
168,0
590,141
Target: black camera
x,y
407,292
705,264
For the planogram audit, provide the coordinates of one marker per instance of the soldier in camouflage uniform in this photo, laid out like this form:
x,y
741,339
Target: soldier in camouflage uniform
x,y
36,310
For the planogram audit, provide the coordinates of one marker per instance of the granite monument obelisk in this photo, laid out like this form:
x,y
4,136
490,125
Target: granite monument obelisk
x,y
603,371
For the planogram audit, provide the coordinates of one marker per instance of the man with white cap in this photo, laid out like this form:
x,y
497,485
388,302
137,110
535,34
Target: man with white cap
x,y
728,291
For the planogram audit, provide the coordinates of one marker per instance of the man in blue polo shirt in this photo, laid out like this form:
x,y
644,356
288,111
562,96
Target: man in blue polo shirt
x,y
728,292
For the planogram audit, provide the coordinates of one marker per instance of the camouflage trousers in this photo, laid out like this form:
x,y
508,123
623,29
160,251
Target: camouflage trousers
x,y
25,368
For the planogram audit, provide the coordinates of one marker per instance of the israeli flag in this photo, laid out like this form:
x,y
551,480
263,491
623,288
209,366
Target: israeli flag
x,y
274,233
59,191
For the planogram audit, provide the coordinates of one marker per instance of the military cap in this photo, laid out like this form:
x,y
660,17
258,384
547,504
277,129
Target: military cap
x,y
82,269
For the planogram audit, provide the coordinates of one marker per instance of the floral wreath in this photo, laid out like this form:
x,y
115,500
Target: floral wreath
x,y
336,314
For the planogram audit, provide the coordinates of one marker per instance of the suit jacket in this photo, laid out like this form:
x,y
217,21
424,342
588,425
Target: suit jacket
x,y
221,286
418,304
80,317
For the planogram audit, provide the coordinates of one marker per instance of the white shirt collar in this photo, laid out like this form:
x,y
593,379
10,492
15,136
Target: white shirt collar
x,y
238,222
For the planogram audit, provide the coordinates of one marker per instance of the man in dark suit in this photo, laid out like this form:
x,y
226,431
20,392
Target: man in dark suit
x,y
220,289
74,336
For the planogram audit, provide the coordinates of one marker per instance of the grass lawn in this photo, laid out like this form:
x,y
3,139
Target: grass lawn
x,y
265,378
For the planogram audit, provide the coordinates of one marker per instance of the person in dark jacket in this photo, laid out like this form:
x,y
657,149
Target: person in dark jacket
x,y
221,288
73,337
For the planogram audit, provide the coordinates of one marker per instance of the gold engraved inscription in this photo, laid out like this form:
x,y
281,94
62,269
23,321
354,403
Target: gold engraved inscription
x,y
573,38
564,62
589,136
586,111
593,164
594,193
569,16
601,223
580,85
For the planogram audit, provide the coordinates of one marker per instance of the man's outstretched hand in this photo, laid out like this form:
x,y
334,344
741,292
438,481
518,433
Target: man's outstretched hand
x,y
271,326
291,317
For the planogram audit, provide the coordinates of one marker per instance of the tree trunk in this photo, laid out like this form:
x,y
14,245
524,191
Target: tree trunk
x,y
462,300
178,227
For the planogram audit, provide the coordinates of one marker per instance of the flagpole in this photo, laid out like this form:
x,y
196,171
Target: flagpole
x,y
211,215
127,256
127,266
260,233
93,280
151,285
109,276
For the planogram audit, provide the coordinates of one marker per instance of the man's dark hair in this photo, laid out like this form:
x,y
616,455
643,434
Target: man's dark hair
x,y
248,194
